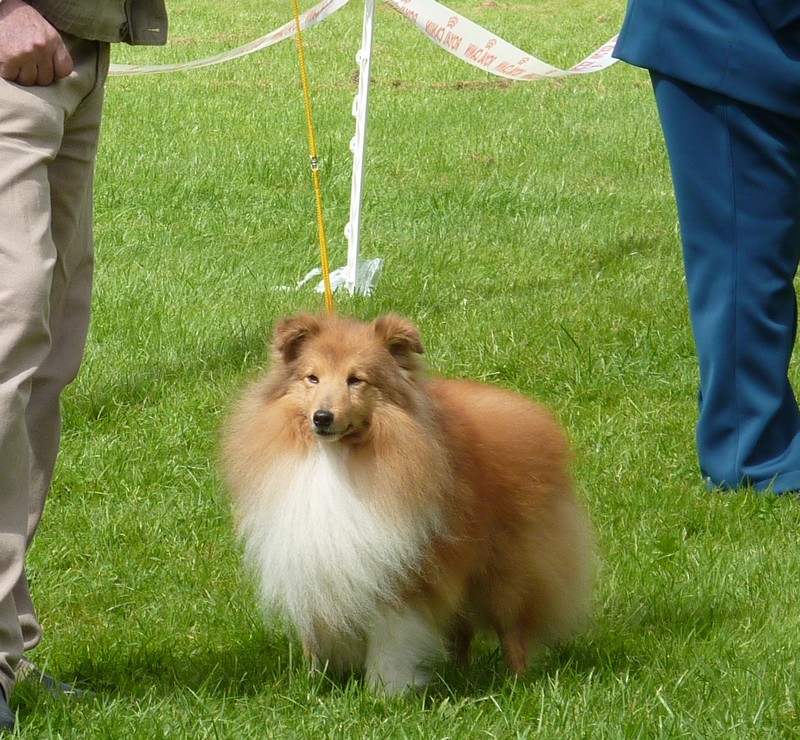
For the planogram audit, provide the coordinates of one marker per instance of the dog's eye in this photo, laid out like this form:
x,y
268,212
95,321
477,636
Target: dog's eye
x,y
354,380
313,379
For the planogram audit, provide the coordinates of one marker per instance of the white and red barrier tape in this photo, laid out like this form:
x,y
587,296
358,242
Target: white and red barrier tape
x,y
451,31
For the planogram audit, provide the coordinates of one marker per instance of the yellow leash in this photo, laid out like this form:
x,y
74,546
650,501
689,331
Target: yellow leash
x,y
323,243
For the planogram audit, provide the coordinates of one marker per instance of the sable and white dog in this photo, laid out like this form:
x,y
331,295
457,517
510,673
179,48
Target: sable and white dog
x,y
391,515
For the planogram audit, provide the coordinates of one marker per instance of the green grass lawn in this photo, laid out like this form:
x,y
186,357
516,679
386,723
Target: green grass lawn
x,y
529,229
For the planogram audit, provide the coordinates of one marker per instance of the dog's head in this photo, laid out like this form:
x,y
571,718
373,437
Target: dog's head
x,y
341,372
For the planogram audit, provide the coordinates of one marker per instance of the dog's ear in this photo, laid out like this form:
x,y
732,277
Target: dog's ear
x,y
401,338
291,332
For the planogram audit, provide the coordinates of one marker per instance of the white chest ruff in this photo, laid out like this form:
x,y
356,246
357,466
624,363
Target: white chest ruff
x,y
324,550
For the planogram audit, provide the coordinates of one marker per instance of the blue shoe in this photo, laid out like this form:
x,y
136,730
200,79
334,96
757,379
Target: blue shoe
x,y
7,718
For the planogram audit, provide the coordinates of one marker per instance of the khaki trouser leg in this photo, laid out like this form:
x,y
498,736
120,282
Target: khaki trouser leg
x,y
48,141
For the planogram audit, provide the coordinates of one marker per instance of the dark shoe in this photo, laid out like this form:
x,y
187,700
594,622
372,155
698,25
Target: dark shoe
x,y
7,718
27,672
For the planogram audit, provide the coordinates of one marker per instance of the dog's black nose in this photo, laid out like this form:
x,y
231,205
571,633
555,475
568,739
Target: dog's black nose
x,y
323,419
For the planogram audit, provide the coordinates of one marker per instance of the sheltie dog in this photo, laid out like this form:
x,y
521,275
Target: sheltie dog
x,y
391,515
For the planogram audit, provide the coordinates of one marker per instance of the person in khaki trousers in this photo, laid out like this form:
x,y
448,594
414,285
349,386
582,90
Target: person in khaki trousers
x,y
54,57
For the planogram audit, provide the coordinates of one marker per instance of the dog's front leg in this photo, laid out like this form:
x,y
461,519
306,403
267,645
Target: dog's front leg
x,y
402,645
341,654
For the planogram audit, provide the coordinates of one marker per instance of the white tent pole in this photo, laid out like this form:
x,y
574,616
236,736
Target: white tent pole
x,y
353,229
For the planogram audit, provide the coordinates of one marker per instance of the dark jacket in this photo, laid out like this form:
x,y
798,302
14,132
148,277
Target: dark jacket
x,y
746,49
132,21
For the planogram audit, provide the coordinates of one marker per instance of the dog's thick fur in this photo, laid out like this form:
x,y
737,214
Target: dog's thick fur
x,y
391,515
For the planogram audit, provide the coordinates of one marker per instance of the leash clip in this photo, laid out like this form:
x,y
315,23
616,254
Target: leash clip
x,y
314,164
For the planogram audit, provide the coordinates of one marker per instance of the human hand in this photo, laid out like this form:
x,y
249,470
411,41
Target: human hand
x,y
32,51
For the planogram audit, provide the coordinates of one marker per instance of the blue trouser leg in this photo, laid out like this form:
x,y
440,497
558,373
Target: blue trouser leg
x,y
736,172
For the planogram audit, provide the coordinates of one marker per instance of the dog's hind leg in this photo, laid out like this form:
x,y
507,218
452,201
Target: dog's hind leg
x,y
461,635
516,645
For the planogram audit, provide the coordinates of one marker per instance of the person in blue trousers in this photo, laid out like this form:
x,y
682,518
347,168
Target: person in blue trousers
x,y
726,77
